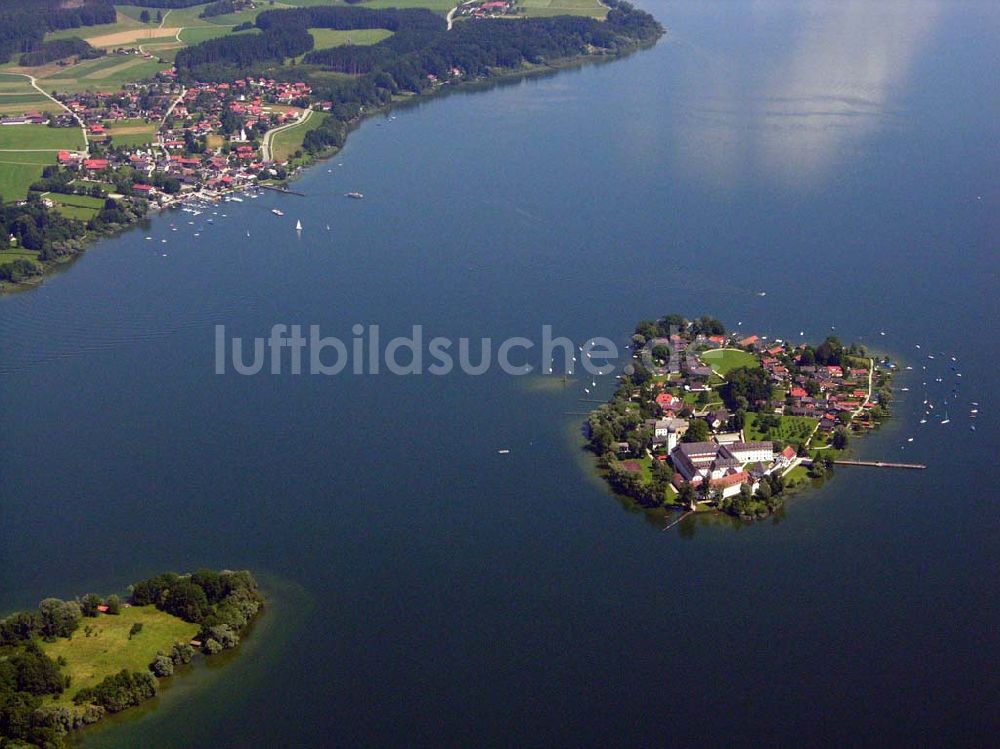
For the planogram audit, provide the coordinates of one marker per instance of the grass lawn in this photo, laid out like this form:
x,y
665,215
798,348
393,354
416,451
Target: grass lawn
x,y
791,429
82,207
9,256
590,8
645,464
285,143
90,659
797,475
724,360
326,38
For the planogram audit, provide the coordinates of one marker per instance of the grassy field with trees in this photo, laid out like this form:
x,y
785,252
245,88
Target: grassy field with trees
x,y
105,645
287,142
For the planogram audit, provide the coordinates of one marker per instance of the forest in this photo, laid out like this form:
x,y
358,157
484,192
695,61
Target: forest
x,y
24,23
58,49
419,52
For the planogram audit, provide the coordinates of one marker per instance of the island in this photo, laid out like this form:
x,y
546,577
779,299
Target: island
x,y
710,420
139,115
67,664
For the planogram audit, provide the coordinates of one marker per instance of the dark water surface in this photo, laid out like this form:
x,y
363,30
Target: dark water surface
x,y
841,157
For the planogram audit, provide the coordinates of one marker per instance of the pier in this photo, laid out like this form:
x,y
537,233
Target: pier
x,y
283,190
870,464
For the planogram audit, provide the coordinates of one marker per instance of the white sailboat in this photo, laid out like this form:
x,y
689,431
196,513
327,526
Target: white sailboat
x,y
298,226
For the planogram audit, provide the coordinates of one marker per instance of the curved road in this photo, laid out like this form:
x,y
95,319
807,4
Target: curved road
x,y
43,92
265,146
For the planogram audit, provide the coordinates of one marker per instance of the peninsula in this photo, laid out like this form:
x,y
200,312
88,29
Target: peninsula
x,y
67,664
708,420
245,97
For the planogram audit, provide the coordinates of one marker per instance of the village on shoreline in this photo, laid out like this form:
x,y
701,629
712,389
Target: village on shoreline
x,y
233,115
703,419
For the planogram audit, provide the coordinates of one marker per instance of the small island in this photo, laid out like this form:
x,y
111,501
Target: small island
x,y
68,664
709,420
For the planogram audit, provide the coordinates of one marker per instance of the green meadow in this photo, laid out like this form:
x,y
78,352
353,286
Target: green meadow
x,y
590,8
287,142
29,137
724,361
327,38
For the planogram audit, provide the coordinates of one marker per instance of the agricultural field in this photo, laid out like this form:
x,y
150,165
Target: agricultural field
x,y
17,96
25,150
591,8
131,132
18,171
104,74
724,361
123,23
108,649
438,6
39,137
327,38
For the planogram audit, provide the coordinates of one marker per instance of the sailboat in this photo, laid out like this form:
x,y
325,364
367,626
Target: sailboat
x,y
946,419
298,226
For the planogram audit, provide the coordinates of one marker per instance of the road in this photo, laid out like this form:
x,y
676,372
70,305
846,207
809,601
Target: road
x,y
159,130
265,146
43,92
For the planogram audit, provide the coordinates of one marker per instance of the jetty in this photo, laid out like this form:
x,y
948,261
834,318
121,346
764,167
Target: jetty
x,y
283,190
870,464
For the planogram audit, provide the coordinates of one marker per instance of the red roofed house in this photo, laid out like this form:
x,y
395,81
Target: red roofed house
x,y
95,165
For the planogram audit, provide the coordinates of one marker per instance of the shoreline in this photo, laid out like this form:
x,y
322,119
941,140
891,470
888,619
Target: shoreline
x,y
529,71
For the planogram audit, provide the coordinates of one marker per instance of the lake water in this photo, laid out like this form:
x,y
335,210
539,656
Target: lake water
x,y
841,157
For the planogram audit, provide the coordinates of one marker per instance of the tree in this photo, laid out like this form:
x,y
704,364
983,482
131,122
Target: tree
x,y
89,604
746,386
739,419
686,495
135,629
114,604
144,16
840,439
187,601
764,491
159,16
697,431
162,665
59,618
